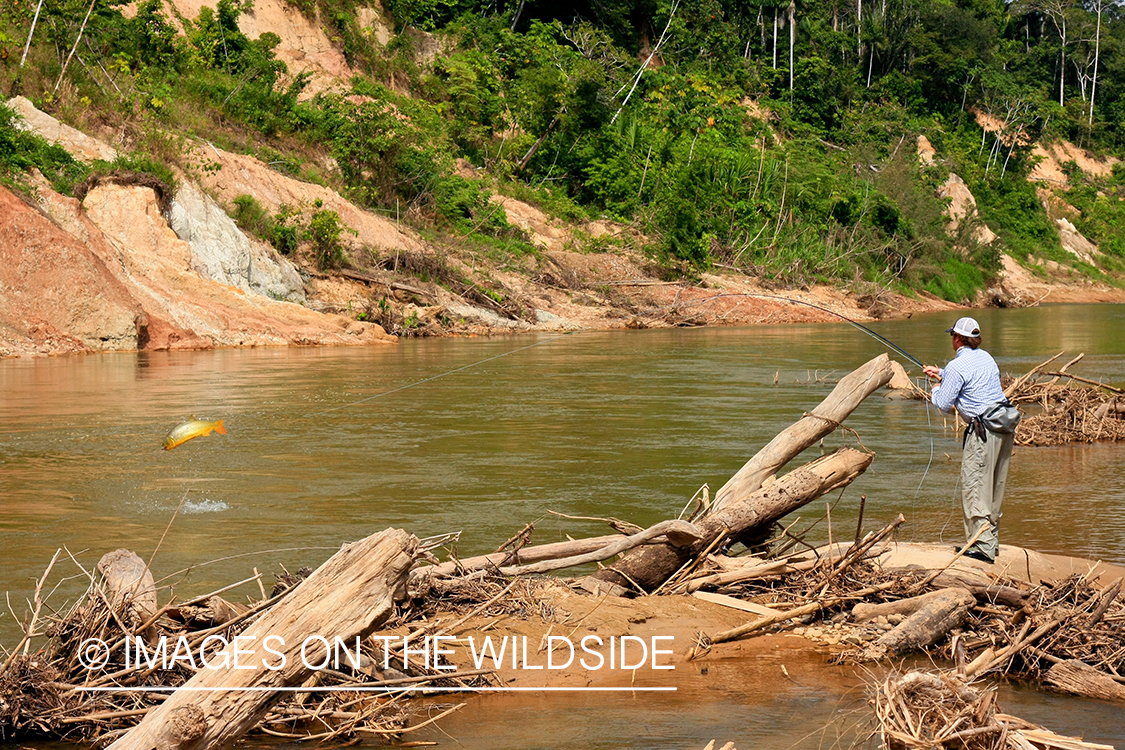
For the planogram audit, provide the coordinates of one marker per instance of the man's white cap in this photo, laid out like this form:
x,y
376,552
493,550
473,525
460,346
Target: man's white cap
x,y
966,327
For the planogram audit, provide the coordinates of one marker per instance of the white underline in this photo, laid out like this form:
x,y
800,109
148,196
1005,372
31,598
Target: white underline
x,y
379,689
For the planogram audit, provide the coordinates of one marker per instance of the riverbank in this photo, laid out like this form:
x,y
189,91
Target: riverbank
x,y
129,266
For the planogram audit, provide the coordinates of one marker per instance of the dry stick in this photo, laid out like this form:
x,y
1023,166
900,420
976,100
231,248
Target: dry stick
x,y
466,618
77,39
423,678
763,622
855,554
1086,380
616,523
195,566
777,567
1055,379
828,517
101,594
1018,645
261,588
25,643
522,535
1018,383
368,730
105,716
1107,599
859,523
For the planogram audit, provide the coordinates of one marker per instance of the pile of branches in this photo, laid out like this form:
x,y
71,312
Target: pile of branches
x,y
924,710
73,688
1069,635
1063,408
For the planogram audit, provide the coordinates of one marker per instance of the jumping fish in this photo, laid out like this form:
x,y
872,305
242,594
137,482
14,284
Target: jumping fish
x,y
192,428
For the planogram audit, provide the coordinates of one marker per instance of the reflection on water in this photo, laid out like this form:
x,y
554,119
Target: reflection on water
x,y
628,424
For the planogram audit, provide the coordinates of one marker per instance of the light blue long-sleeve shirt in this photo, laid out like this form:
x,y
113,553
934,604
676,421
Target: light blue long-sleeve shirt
x,y
970,382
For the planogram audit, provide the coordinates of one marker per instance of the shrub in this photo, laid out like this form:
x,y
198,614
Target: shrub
x,y
324,232
21,150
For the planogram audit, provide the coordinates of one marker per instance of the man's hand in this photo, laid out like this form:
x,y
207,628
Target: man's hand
x,y
932,372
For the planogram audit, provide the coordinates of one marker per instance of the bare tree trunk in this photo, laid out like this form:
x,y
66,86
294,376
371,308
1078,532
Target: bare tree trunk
x,y
849,393
1062,60
77,39
1097,51
775,38
31,33
347,597
859,29
651,565
792,41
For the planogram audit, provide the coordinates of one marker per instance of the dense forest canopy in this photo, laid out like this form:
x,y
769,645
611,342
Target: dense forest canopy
x,y
777,138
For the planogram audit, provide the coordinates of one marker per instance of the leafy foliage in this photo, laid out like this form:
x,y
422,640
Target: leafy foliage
x,y
683,119
21,150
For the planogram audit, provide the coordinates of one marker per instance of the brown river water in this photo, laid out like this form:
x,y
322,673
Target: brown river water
x,y
627,424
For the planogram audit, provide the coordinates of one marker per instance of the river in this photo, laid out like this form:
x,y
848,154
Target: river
x,y
485,435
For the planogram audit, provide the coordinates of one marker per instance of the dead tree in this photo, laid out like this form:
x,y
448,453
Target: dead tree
x,y
651,565
743,504
347,597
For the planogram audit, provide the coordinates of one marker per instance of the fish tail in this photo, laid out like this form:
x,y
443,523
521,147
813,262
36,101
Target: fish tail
x,y
219,428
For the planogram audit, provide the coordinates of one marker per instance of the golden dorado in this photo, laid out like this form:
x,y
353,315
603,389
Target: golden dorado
x,y
192,428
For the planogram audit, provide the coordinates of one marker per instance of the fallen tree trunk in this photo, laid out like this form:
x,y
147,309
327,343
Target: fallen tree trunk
x,y
651,565
985,594
678,533
933,617
129,587
1079,678
347,597
826,417
863,612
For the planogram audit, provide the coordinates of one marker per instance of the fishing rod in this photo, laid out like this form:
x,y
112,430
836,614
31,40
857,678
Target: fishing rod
x,y
443,374
877,336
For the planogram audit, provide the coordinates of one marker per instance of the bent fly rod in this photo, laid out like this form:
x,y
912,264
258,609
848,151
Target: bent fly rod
x,y
877,336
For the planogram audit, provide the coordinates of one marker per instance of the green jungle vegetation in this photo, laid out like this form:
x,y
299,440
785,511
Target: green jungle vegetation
x,y
772,137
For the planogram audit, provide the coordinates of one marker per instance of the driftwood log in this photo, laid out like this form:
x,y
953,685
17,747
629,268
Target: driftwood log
x,y
1074,676
743,504
864,612
348,596
651,565
933,617
821,421
128,585
677,533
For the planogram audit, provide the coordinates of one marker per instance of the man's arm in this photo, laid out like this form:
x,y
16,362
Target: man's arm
x,y
945,394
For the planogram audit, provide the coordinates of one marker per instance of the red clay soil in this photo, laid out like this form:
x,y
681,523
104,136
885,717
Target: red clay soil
x,y
68,285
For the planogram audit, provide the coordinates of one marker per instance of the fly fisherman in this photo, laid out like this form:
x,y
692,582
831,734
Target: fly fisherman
x,y
971,384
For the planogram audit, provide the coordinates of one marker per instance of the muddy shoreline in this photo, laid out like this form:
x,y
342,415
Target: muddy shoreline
x,y
123,269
